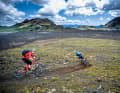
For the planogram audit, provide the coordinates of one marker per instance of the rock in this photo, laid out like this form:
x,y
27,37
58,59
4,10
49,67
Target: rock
x,y
113,58
99,87
52,91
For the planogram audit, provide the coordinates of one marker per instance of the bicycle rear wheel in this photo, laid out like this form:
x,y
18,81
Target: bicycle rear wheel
x,y
19,72
40,70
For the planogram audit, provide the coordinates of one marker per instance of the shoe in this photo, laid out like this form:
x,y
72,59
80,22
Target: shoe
x,y
29,70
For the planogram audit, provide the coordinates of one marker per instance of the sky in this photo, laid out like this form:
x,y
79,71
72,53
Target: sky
x,y
61,12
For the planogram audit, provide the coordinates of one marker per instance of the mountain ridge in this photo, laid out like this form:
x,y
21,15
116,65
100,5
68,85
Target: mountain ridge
x,y
114,23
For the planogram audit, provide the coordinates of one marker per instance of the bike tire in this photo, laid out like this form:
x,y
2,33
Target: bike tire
x,y
40,70
19,72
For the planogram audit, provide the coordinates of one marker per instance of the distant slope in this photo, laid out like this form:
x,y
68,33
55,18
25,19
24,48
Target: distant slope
x,y
36,24
114,23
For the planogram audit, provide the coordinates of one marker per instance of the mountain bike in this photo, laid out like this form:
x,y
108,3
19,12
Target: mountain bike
x,y
36,68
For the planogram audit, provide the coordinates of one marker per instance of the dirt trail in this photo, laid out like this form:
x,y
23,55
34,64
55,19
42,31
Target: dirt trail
x,y
27,80
65,70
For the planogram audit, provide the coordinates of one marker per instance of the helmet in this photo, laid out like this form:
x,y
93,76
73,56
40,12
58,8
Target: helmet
x,y
33,50
78,53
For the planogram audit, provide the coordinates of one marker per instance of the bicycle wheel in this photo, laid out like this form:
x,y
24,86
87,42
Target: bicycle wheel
x,y
19,72
40,70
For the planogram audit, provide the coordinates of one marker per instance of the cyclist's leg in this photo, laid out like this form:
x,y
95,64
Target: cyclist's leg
x,y
83,61
29,63
81,58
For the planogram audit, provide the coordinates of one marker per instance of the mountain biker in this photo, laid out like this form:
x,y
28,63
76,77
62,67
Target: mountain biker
x,y
79,56
27,57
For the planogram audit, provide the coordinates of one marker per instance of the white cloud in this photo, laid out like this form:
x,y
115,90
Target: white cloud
x,y
85,7
59,20
114,13
68,22
58,17
83,11
34,16
9,14
100,3
9,10
78,3
50,7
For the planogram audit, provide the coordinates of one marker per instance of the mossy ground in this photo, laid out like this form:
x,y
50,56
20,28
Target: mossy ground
x,y
103,54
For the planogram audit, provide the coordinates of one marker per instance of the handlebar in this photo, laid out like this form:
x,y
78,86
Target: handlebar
x,y
35,59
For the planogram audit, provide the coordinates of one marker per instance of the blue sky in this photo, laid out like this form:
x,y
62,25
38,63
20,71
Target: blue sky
x,y
61,12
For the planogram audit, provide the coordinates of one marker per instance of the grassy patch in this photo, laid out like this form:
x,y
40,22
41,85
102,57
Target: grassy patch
x,y
104,55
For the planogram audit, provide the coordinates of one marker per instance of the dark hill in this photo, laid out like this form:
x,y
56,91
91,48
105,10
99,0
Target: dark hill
x,y
37,24
114,23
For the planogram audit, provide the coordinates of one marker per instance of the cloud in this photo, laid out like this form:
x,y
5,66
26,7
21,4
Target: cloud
x,y
9,14
34,16
50,7
100,3
85,7
11,1
68,22
114,13
83,11
59,20
112,5
46,11
91,7
40,2
58,17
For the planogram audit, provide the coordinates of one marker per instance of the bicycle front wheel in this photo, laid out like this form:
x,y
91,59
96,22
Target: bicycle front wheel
x,y
19,72
40,70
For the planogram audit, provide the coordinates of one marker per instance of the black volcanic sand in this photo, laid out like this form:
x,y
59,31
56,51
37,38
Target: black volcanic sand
x,y
13,40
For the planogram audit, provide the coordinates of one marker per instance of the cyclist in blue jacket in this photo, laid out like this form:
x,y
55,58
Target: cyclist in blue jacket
x,y
79,55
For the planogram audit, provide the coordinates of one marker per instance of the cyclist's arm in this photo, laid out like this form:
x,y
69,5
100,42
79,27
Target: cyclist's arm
x,y
32,55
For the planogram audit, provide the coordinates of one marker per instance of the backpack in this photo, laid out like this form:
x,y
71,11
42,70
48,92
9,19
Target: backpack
x,y
24,52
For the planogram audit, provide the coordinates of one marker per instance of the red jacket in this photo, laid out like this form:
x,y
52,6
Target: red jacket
x,y
28,55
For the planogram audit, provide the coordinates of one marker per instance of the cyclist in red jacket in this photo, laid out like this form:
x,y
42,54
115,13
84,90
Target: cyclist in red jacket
x,y
27,57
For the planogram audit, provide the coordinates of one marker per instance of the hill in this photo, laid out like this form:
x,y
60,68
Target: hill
x,y
114,23
36,24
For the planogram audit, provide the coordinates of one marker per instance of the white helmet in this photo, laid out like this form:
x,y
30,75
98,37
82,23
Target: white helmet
x,y
33,50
